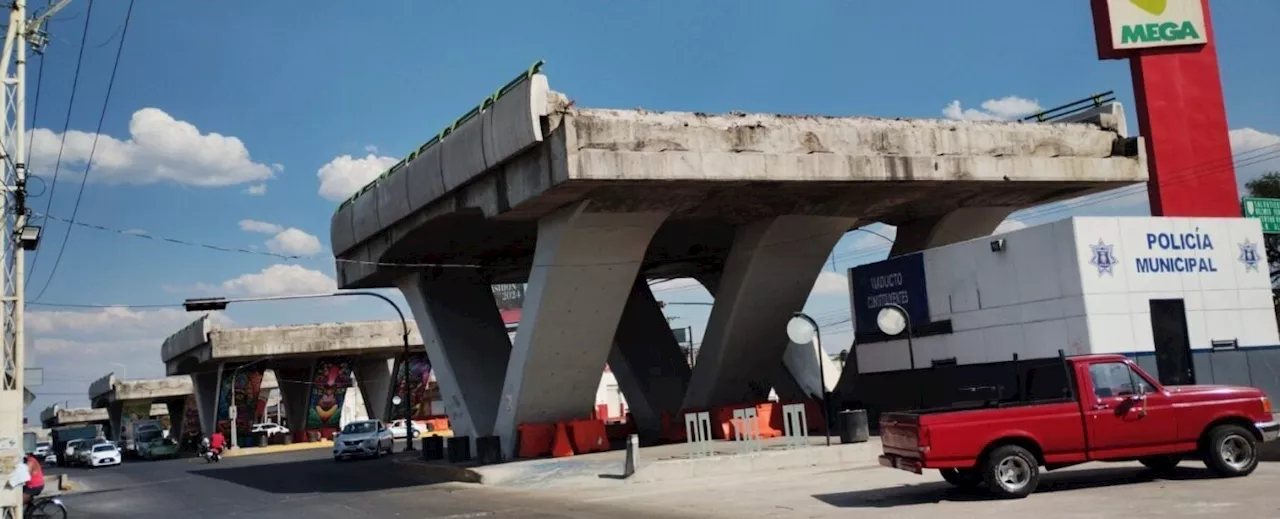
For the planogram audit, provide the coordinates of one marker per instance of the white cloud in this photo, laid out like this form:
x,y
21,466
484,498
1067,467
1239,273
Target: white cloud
x,y
369,148
831,283
278,167
1248,139
278,280
289,241
257,226
1261,153
343,175
159,149
256,190
111,323
294,242
1003,109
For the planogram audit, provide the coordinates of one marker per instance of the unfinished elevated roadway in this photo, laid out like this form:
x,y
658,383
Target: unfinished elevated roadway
x,y
585,204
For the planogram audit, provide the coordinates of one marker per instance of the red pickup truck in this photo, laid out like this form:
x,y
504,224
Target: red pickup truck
x,y
1109,410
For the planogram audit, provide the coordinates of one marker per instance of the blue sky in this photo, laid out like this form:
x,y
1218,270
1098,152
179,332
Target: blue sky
x,y
295,89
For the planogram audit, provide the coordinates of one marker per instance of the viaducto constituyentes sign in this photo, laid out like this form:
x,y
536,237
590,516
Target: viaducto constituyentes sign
x,y
1137,24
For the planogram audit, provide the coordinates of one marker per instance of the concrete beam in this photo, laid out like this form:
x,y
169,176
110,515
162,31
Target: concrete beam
x,y
466,343
956,226
584,266
651,368
767,277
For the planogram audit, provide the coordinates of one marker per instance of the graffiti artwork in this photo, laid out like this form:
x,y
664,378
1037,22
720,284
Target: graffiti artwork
x,y
190,420
242,386
328,390
419,376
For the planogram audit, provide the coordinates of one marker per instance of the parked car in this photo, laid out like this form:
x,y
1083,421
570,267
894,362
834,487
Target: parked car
x,y
42,449
1108,409
104,455
366,438
84,451
270,429
398,427
51,458
69,455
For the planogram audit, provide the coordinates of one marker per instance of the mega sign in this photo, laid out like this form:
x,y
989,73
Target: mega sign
x,y
1137,24
899,281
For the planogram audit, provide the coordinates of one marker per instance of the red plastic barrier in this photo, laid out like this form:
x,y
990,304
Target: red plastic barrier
x,y
535,439
561,446
588,436
672,429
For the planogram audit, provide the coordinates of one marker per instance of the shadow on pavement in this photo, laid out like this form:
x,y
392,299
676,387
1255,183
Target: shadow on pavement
x,y
1049,482
322,475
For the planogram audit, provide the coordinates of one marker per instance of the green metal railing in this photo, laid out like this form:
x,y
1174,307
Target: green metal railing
x,y
471,114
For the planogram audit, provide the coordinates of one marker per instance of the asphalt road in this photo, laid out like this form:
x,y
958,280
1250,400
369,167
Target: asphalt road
x,y
305,484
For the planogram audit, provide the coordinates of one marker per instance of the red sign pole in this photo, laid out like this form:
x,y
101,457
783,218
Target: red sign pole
x,y
1182,118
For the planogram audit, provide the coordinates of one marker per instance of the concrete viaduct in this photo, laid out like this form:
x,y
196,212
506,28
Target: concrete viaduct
x,y
587,204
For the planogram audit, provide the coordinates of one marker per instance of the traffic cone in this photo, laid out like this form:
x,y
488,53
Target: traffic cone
x,y
561,447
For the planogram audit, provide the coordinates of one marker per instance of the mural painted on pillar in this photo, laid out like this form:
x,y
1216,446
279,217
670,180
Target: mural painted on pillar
x,y
328,389
132,411
246,384
419,376
190,421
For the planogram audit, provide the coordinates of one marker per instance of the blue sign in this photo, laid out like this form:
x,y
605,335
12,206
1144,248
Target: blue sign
x,y
1183,247
899,281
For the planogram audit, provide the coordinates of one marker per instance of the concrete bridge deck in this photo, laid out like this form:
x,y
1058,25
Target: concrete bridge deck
x,y
586,204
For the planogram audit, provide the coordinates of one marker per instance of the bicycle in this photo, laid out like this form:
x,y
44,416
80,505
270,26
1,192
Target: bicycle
x,y
45,507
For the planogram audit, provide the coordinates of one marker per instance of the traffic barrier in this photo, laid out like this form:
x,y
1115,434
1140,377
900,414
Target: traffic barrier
x,y
561,447
536,439
459,449
588,436
617,432
672,431
433,448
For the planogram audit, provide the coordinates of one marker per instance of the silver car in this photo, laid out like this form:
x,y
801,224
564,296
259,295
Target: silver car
x,y
363,439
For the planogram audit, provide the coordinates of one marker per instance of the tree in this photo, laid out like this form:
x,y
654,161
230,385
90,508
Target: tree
x,y
1268,186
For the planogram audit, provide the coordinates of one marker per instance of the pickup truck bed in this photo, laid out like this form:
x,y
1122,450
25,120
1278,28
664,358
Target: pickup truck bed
x,y
1116,412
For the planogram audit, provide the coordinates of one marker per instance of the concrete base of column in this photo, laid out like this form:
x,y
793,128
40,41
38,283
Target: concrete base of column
x,y
465,341
584,266
373,377
956,226
177,408
767,277
651,368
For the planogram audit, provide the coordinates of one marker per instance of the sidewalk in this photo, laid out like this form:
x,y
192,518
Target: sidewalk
x,y
272,449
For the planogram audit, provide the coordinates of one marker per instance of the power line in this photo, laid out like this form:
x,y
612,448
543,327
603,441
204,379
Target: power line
x,y
35,108
92,149
66,125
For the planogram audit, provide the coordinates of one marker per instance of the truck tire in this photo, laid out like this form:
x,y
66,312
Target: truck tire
x,y
1161,464
1011,472
962,478
1231,451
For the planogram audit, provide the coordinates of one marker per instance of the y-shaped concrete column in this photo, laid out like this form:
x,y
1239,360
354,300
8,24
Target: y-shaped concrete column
x,y
959,225
767,277
584,266
205,387
373,377
466,344
295,395
650,366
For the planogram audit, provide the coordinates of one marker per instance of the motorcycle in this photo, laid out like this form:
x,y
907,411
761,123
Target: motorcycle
x,y
210,455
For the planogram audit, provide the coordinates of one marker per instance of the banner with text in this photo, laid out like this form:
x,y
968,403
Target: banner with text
x,y
899,281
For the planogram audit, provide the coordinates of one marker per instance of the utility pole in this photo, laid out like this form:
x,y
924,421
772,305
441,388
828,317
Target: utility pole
x,y
17,235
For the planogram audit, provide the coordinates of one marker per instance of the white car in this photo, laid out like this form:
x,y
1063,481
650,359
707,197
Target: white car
x,y
51,458
104,455
398,428
270,428
363,439
42,449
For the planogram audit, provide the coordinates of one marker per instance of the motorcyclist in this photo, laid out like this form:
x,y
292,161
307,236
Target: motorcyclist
x,y
217,442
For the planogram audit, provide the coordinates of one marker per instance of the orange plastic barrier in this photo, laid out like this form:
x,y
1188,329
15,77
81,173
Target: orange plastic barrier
x,y
588,436
535,439
440,423
561,447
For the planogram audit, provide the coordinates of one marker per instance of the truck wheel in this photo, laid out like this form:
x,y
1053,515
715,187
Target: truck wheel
x,y
1011,472
963,478
1231,451
1161,463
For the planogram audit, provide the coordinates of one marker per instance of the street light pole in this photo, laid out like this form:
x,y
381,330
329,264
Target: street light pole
x,y
822,377
205,304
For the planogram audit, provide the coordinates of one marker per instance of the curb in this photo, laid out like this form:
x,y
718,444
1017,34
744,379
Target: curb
x,y
275,449
445,472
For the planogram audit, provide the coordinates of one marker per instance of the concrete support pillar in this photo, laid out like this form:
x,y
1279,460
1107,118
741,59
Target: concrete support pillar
x,y
115,419
295,396
651,368
177,412
767,277
373,378
205,387
956,226
584,266
465,341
